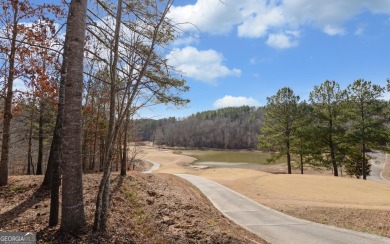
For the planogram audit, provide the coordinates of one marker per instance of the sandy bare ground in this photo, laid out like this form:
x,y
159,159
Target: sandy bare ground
x,y
340,201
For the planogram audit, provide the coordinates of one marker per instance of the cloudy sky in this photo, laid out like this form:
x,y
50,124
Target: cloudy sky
x,y
241,52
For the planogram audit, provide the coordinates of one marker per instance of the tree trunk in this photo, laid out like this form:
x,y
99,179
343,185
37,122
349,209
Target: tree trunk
x,y
73,217
332,150
40,139
288,163
52,176
95,139
102,153
118,153
301,156
85,124
124,156
363,144
102,201
334,163
55,158
85,150
29,150
364,161
8,104
288,156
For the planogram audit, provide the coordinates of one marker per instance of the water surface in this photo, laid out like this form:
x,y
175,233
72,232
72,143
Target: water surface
x,y
239,159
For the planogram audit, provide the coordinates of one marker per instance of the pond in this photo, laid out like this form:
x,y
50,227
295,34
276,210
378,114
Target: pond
x,y
239,159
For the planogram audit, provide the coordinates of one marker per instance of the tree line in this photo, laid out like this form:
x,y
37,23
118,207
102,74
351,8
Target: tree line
x,y
335,129
72,76
225,128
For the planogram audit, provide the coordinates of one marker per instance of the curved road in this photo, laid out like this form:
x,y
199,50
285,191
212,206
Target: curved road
x,y
272,225
378,163
155,166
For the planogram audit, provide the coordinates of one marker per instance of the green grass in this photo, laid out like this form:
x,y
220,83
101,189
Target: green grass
x,y
17,188
230,156
132,196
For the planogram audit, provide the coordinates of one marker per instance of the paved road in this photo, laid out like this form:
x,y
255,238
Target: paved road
x,y
377,163
154,167
271,225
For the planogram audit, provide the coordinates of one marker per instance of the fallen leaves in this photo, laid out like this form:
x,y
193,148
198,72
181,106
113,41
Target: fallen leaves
x,y
145,208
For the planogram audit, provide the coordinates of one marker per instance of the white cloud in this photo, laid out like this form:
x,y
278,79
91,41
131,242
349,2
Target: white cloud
x,y
261,18
334,30
205,65
230,101
283,40
386,96
260,21
319,13
359,30
213,16
330,15
331,12
20,85
184,41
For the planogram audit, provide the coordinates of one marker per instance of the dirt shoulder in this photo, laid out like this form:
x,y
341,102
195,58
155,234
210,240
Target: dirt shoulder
x,y
344,202
145,208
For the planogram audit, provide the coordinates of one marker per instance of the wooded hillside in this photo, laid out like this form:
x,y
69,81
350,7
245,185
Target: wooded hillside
x,y
225,128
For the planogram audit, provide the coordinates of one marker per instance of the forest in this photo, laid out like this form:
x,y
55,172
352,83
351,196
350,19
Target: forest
x,y
225,128
73,75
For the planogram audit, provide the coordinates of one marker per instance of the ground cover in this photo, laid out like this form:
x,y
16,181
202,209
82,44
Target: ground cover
x,y
145,208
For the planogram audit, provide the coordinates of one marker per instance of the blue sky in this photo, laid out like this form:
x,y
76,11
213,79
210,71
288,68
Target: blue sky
x,y
244,51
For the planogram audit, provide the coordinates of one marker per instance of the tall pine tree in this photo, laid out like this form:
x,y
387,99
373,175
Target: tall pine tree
x,y
327,103
280,124
368,129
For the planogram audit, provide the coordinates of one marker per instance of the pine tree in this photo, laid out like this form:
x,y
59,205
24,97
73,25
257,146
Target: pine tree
x,y
280,124
367,112
327,103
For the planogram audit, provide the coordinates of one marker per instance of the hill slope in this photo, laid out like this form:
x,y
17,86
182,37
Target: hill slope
x,y
145,208
227,128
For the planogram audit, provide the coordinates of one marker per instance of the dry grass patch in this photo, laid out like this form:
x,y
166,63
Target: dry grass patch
x,y
314,189
364,220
